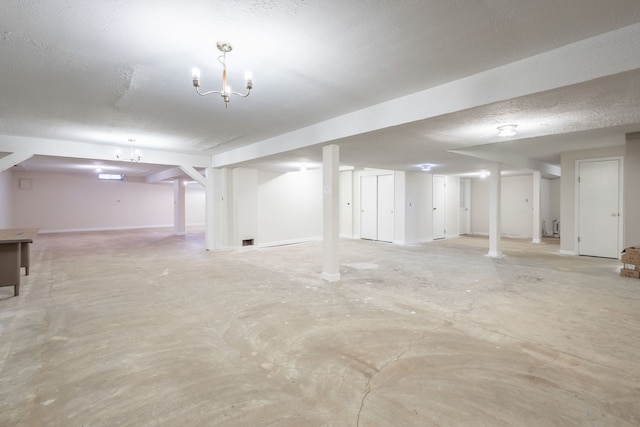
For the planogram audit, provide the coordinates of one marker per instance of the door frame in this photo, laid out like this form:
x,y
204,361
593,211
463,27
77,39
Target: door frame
x,y
576,220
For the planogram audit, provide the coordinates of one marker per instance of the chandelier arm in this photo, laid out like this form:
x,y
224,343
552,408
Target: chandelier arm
x,y
244,95
207,93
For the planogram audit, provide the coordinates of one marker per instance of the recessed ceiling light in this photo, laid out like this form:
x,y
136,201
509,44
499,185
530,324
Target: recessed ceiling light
x,y
426,167
507,130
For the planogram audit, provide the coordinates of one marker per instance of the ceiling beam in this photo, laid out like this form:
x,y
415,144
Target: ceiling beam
x,y
85,150
194,174
14,159
495,154
164,175
616,52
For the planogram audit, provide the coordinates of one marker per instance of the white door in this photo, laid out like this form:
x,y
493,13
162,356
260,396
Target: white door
x,y
439,201
385,208
369,207
599,208
465,203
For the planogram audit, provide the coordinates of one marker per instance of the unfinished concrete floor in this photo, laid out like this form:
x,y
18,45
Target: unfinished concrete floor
x,y
142,328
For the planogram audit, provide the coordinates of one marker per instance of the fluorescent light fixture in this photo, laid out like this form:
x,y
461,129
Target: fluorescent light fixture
x,y
111,177
426,167
507,130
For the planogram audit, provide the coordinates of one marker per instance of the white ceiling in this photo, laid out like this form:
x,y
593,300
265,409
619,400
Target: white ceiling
x,y
99,73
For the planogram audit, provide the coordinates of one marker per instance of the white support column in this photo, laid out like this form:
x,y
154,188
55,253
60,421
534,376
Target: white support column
x,y
331,212
210,208
495,221
537,220
179,217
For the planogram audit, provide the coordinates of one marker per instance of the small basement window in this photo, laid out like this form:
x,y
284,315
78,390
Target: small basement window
x,y
111,177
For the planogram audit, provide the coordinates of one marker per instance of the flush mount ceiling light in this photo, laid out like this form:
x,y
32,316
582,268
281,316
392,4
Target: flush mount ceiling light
x,y
507,130
425,167
134,155
226,92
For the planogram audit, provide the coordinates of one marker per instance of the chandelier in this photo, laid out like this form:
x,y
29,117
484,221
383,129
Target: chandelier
x,y
134,155
226,92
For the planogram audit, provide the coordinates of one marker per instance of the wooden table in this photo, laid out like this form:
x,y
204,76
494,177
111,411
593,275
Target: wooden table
x,y
14,254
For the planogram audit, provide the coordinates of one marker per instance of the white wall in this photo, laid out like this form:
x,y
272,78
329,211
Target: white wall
x,y
480,206
194,205
517,205
290,207
245,206
6,200
632,190
72,202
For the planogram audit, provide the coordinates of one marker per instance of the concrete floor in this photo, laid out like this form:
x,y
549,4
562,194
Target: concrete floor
x,y
141,328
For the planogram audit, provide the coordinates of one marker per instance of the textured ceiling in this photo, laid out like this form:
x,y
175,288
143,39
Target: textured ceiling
x,y
102,72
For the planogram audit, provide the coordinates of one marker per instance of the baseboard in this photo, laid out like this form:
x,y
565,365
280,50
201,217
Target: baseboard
x,y
567,252
89,229
288,242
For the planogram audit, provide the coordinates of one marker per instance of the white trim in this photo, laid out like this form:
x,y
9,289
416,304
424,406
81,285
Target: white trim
x,y
567,252
75,230
286,242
